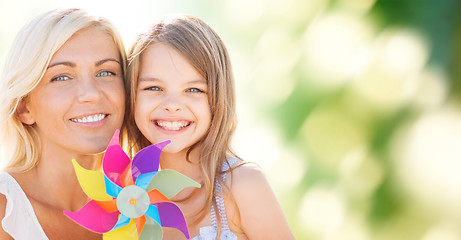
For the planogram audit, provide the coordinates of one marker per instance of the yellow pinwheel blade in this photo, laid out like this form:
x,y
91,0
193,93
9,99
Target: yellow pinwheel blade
x,y
128,232
92,182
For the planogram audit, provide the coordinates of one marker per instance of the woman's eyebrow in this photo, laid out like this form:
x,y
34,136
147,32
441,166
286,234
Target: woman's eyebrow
x,y
70,64
100,62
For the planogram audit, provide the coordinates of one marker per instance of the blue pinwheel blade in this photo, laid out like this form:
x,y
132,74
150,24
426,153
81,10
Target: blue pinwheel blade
x,y
153,213
112,189
144,179
122,222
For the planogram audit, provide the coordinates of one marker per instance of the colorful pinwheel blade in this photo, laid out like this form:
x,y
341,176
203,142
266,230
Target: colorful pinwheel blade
x,y
147,160
152,230
115,160
93,217
122,222
140,222
156,196
112,189
144,179
108,206
128,232
171,216
153,213
170,182
92,182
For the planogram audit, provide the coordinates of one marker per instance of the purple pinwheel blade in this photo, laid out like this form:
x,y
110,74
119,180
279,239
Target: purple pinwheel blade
x,y
115,160
151,231
147,160
93,217
171,216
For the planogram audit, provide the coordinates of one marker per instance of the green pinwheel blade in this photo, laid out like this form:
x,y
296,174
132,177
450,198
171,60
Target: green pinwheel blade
x,y
152,230
170,182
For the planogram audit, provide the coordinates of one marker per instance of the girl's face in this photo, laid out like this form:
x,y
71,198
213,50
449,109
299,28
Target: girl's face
x,y
80,101
171,101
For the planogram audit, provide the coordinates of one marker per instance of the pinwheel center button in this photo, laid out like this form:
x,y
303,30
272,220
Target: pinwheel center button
x,y
133,201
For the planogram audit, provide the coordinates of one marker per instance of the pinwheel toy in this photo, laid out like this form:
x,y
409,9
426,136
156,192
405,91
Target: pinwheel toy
x,y
131,199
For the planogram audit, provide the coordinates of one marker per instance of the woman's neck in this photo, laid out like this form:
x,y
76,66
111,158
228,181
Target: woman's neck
x,y
54,182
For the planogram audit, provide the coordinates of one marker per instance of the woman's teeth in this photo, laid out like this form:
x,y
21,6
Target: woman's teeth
x,y
172,126
89,119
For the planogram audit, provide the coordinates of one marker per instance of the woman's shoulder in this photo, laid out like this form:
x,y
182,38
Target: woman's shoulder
x,y
6,186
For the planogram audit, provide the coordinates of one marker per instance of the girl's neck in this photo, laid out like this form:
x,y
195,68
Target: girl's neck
x,y
178,162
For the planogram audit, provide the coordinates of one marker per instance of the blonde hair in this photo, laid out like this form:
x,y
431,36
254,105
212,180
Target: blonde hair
x,y
25,65
206,52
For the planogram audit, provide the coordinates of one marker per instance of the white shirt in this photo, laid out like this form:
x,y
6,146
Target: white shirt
x,y
20,220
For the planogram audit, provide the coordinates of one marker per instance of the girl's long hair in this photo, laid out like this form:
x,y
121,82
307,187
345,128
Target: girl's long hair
x,y
206,52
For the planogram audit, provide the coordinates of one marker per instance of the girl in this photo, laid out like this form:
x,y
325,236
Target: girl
x,y
181,88
62,97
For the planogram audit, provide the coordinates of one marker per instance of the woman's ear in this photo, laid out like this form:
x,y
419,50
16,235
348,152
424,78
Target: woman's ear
x,y
23,112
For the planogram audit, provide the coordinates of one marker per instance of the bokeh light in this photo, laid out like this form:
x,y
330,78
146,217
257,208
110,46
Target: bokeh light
x,y
351,107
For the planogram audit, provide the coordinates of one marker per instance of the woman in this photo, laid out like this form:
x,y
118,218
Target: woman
x,y
62,98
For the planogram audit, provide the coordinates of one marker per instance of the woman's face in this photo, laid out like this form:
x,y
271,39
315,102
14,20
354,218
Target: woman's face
x,y
171,100
80,101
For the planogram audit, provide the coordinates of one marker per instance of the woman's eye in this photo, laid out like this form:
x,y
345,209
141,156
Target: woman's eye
x,y
105,74
60,78
195,90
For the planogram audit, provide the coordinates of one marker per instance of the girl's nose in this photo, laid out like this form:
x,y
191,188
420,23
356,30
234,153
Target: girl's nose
x,y
172,105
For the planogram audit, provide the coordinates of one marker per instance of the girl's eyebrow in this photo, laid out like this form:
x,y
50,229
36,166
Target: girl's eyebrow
x,y
71,64
148,79
201,81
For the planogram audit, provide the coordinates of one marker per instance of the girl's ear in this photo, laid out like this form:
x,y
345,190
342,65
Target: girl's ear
x,y
23,113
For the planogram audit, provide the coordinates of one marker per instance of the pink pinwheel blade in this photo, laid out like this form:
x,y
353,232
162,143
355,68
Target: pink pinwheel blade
x,y
147,160
171,216
93,217
115,160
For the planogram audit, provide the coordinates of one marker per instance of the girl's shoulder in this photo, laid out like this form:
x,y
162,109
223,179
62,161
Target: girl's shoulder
x,y
257,204
246,177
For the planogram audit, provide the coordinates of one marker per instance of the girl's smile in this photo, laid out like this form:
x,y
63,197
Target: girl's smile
x,y
173,126
171,101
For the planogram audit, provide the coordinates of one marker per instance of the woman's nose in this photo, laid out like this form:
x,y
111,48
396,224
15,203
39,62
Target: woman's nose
x,y
89,90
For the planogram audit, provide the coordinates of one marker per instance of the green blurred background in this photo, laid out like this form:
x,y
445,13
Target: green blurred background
x,y
351,107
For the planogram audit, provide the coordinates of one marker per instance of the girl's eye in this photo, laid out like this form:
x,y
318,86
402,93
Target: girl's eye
x,y
105,74
153,88
195,90
60,78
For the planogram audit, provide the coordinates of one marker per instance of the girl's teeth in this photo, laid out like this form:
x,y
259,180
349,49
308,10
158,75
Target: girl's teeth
x,y
89,119
172,126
